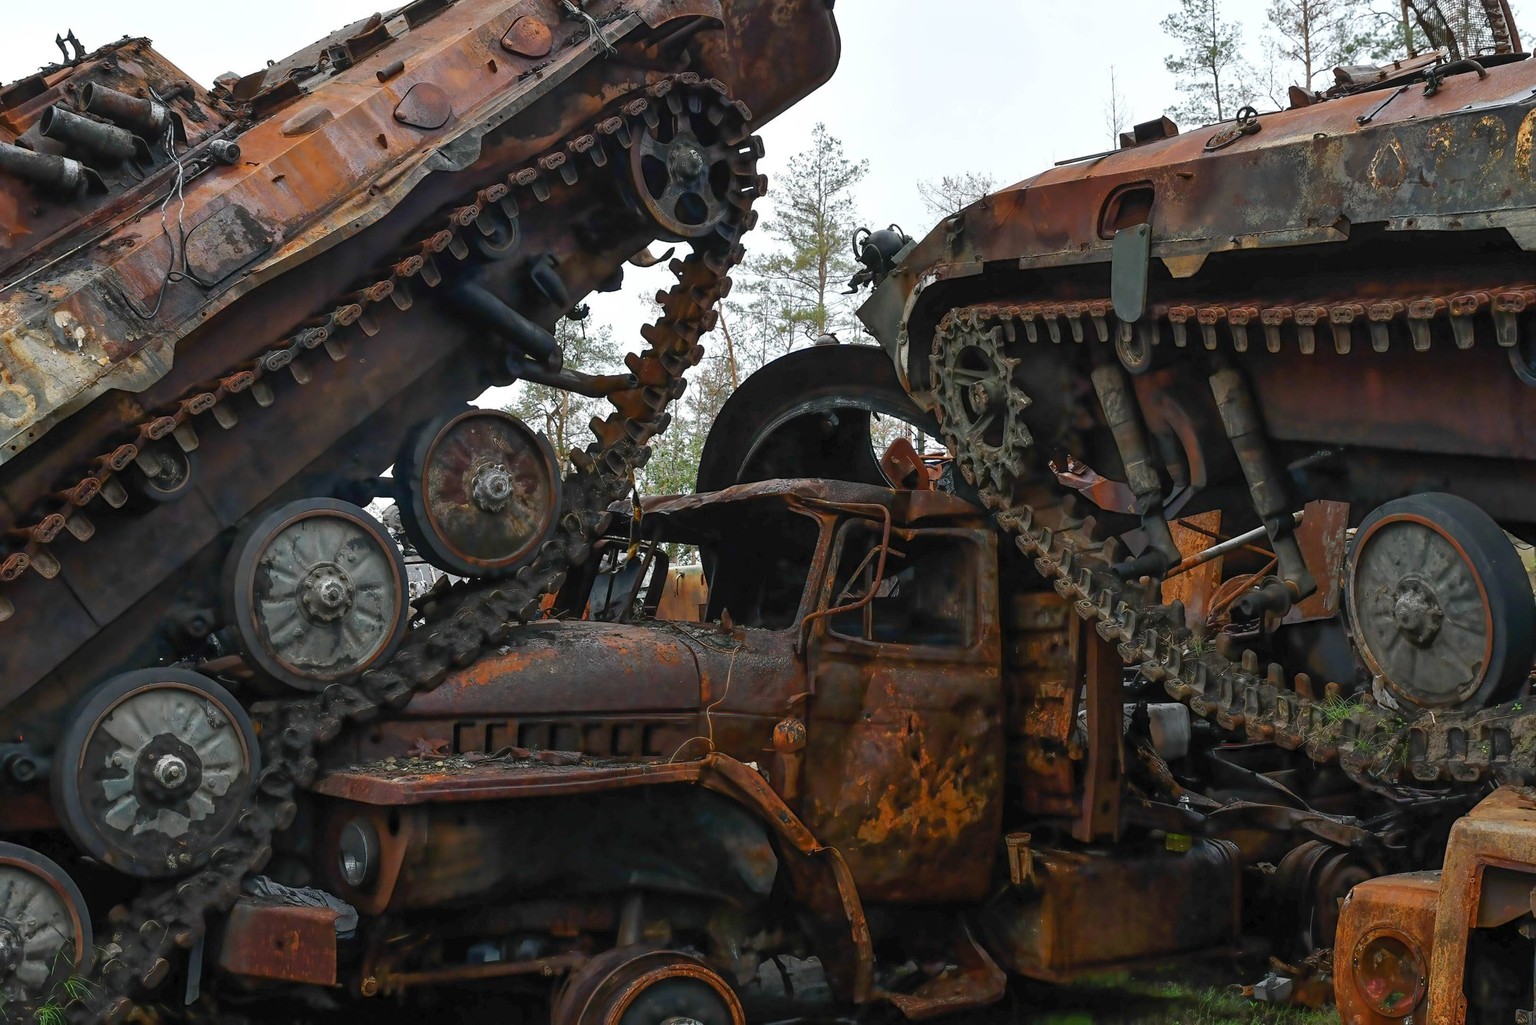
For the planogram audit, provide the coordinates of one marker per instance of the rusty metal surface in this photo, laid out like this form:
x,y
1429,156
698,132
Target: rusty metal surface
x,y
1041,666
316,215
685,596
397,155
281,942
908,507
422,868
1501,831
1084,911
1402,907
1104,768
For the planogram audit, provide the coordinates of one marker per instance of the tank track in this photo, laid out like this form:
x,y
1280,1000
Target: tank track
x,y
474,616
1375,745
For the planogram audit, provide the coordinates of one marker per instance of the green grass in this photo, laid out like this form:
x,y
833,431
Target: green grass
x,y
1129,1001
64,994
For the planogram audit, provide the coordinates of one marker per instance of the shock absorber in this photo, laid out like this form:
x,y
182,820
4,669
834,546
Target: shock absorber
x,y
1141,471
1267,488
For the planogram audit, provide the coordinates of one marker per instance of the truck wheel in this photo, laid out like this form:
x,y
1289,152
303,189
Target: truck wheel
x,y
634,986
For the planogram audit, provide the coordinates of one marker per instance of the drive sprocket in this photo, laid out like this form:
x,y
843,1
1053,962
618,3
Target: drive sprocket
x,y
981,403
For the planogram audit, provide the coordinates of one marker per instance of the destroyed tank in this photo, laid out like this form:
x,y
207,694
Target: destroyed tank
x,y
193,600
1257,399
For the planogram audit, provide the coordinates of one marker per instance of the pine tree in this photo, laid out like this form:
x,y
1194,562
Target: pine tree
x,y
1310,34
1208,62
801,282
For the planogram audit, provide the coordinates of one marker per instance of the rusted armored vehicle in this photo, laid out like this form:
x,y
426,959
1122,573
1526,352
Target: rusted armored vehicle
x,y
223,315
1257,401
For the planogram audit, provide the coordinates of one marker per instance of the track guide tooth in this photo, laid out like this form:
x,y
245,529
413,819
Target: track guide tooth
x,y
1306,318
113,493
430,272
43,563
1208,318
1341,319
1237,322
1178,318
1507,308
80,527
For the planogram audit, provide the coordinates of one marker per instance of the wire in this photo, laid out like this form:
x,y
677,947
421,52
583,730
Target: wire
x,y
709,720
177,190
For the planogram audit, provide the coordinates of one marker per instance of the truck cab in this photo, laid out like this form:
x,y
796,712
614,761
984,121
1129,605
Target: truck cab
x,y
831,734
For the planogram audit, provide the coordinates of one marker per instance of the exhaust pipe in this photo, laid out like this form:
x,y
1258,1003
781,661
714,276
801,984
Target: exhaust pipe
x,y
72,129
58,174
477,303
143,117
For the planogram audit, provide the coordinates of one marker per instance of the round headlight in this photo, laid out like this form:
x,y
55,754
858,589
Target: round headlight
x,y
1389,973
357,853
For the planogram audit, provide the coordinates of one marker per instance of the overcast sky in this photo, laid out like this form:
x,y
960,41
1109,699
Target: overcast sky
x,y
1002,87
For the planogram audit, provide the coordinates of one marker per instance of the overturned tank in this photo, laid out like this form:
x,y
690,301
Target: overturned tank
x,y
224,313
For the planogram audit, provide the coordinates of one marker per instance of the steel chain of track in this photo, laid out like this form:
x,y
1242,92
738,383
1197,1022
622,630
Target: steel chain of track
x,y
1377,746
474,616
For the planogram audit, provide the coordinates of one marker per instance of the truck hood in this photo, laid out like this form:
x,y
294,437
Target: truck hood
x,y
572,667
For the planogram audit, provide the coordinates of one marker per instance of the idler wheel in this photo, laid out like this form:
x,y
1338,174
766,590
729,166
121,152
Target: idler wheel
x,y
45,928
1440,606
683,173
154,770
316,592
634,986
480,492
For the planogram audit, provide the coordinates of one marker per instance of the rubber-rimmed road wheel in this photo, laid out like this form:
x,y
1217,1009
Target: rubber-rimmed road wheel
x,y
1440,605
153,771
45,927
316,593
481,492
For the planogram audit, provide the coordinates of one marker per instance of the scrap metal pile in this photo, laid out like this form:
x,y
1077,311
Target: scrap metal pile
x,y
1217,610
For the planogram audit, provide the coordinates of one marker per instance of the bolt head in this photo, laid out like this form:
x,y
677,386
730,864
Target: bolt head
x,y
171,771
327,593
492,488
1416,613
